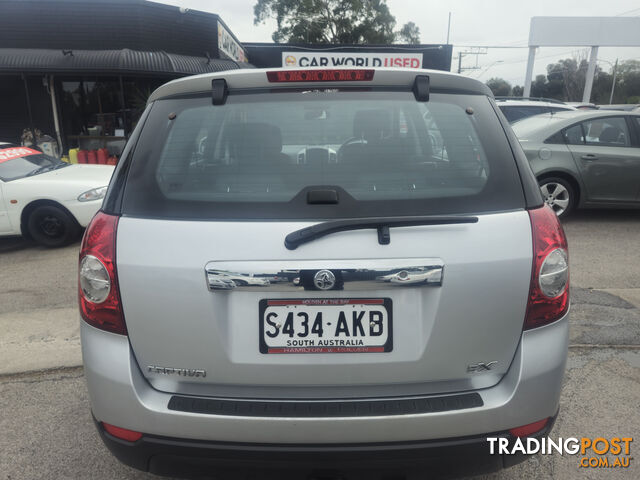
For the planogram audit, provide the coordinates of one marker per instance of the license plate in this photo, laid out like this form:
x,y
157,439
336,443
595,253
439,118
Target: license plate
x,y
326,325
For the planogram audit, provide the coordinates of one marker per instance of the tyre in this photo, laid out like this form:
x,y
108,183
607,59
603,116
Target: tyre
x,y
558,194
51,226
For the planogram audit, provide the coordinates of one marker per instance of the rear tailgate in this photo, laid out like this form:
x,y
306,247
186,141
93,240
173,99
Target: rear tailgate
x,y
209,289
178,328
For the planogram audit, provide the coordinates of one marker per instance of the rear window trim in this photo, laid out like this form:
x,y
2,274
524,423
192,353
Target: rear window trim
x,y
275,211
314,220
112,203
528,181
298,88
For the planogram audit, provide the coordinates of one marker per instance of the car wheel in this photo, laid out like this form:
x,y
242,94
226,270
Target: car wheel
x,y
558,194
52,227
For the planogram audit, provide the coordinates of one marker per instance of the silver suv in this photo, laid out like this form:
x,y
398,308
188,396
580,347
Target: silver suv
x,y
288,273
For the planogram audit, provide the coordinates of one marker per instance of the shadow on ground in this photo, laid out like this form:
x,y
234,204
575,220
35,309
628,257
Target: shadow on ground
x,y
604,215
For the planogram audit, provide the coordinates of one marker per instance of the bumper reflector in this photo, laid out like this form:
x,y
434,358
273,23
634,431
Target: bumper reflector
x,y
122,433
526,430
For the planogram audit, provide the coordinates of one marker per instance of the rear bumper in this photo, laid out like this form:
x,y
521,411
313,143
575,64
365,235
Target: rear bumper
x,y
530,391
121,396
186,458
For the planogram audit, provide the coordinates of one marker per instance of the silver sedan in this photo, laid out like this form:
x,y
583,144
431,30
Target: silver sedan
x,y
584,158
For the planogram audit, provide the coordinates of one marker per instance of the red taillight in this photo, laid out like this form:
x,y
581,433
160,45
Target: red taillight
x,y
549,292
98,293
122,433
526,430
285,76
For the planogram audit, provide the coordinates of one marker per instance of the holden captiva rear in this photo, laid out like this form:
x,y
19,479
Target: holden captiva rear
x,y
322,270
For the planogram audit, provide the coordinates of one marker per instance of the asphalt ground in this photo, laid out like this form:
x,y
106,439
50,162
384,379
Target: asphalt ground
x,y
46,427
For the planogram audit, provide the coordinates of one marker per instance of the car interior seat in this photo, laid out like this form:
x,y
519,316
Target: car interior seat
x,y
611,135
256,144
371,131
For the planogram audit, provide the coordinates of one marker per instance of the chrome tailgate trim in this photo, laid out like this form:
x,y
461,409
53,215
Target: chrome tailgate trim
x,y
324,275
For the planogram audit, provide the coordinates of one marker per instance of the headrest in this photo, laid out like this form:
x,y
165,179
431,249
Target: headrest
x,y
372,125
610,135
254,142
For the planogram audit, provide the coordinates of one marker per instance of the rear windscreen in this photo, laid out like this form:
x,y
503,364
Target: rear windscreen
x,y
263,154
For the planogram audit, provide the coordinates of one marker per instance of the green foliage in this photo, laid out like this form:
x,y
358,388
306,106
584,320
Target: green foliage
x,y
627,82
333,21
409,33
539,86
565,81
499,87
629,67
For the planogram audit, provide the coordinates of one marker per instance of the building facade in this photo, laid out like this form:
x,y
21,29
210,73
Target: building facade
x,y
80,71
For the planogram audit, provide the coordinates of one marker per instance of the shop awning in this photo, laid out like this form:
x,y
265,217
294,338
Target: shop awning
x,y
119,62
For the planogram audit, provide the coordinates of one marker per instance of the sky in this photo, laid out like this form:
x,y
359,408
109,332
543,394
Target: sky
x,y
502,23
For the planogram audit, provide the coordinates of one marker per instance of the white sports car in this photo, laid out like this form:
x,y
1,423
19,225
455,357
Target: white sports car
x,y
46,199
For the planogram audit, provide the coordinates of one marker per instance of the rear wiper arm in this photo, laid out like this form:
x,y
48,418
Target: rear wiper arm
x,y
382,224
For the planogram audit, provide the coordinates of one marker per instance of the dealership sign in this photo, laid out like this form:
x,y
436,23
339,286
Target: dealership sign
x,y
228,45
343,59
16,152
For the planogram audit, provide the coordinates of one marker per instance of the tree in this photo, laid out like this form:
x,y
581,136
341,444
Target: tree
x,y
567,78
565,81
627,88
499,86
628,82
517,91
409,33
629,67
539,86
333,21
601,90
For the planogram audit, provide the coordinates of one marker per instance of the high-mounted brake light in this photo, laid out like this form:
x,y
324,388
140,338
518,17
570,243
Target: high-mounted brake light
x,y
98,294
286,76
549,288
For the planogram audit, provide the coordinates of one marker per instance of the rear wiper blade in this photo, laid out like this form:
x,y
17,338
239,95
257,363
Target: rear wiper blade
x,y
382,224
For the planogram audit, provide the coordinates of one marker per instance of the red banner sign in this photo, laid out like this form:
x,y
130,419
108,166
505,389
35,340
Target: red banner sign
x,y
16,152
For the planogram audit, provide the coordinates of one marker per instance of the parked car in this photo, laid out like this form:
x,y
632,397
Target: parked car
x,y
46,199
625,107
423,301
584,159
517,108
583,105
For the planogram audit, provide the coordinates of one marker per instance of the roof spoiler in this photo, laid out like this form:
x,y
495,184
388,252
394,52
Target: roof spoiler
x,y
531,99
